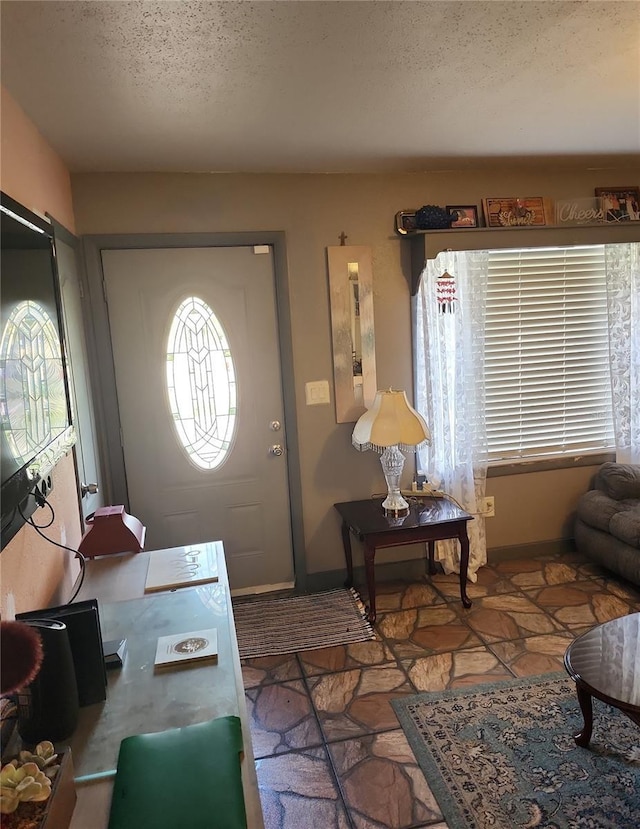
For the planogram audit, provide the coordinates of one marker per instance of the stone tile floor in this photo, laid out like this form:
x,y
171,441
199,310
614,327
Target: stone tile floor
x,y
328,747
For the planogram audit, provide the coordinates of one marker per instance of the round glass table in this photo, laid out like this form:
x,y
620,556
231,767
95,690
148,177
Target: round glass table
x,y
605,663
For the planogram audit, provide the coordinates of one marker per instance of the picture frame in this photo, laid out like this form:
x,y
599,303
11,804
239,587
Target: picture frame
x,y
405,222
619,204
515,212
467,214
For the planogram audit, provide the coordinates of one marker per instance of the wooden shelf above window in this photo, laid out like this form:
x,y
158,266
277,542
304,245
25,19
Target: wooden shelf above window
x,y
427,244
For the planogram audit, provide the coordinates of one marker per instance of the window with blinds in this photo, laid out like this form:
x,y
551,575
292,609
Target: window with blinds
x,y
548,389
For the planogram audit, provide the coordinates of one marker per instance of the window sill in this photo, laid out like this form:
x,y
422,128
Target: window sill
x,y
524,467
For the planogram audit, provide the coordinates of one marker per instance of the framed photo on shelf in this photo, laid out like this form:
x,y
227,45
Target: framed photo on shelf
x,y
514,212
405,222
466,215
619,204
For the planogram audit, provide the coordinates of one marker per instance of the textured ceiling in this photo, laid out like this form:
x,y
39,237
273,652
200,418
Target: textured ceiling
x,y
324,86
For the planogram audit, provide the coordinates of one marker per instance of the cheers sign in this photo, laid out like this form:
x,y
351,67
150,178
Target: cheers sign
x,y
579,211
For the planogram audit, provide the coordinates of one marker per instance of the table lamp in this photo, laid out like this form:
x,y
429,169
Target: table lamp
x,y
390,425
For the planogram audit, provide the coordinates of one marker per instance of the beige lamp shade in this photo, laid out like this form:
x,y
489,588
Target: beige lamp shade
x,y
390,421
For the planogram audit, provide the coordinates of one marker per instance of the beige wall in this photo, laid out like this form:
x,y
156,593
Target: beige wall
x,y
34,573
32,173
313,210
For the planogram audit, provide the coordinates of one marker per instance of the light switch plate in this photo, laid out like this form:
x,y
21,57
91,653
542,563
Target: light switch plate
x,y
317,392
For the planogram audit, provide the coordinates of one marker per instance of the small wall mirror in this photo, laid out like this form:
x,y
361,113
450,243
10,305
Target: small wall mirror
x,y
354,358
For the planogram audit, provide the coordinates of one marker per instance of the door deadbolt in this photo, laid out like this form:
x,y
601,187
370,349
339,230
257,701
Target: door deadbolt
x,y
276,450
88,489
275,425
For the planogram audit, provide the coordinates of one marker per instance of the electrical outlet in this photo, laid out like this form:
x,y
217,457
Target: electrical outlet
x,y
488,507
45,486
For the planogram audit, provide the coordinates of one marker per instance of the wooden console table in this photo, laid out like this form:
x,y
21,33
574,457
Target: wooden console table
x,y
431,520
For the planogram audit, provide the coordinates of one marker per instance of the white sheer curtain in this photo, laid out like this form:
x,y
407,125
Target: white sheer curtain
x,y
622,264
449,313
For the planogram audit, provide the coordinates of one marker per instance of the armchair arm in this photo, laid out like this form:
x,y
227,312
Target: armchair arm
x,y
619,480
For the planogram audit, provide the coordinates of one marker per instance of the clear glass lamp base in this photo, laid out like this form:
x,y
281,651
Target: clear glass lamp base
x,y
392,461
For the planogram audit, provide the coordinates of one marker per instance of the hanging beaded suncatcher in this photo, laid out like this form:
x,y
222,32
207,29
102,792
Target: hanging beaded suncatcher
x,y
446,293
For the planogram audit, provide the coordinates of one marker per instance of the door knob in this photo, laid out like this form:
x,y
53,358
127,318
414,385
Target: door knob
x,y
88,489
276,450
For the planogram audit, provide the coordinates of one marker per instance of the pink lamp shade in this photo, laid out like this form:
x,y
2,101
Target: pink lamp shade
x,y
112,530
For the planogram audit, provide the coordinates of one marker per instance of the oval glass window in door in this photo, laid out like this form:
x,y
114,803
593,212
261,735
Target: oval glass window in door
x,y
201,382
32,390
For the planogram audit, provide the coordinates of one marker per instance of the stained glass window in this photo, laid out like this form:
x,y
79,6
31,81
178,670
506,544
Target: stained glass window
x,y
201,382
32,393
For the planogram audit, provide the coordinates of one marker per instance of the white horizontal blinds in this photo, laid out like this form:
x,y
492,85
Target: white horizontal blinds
x,y
548,388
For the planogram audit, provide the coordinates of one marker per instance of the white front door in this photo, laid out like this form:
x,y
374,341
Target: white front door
x,y
203,429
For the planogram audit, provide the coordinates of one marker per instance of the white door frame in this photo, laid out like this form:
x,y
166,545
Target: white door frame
x,y
101,357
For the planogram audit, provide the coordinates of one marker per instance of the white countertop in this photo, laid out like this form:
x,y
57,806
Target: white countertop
x,y
142,699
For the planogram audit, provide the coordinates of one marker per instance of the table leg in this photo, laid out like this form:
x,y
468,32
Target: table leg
x,y
346,543
464,565
431,546
369,567
584,698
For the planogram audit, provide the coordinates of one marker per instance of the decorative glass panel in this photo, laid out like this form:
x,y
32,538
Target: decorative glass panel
x,y
33,402
201,382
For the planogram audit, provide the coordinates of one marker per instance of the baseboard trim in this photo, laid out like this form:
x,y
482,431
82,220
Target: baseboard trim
x,y
390,571
415,568
556,547
262,588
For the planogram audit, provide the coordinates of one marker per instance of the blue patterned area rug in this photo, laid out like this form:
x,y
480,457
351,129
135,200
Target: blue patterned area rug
x,y
503,756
